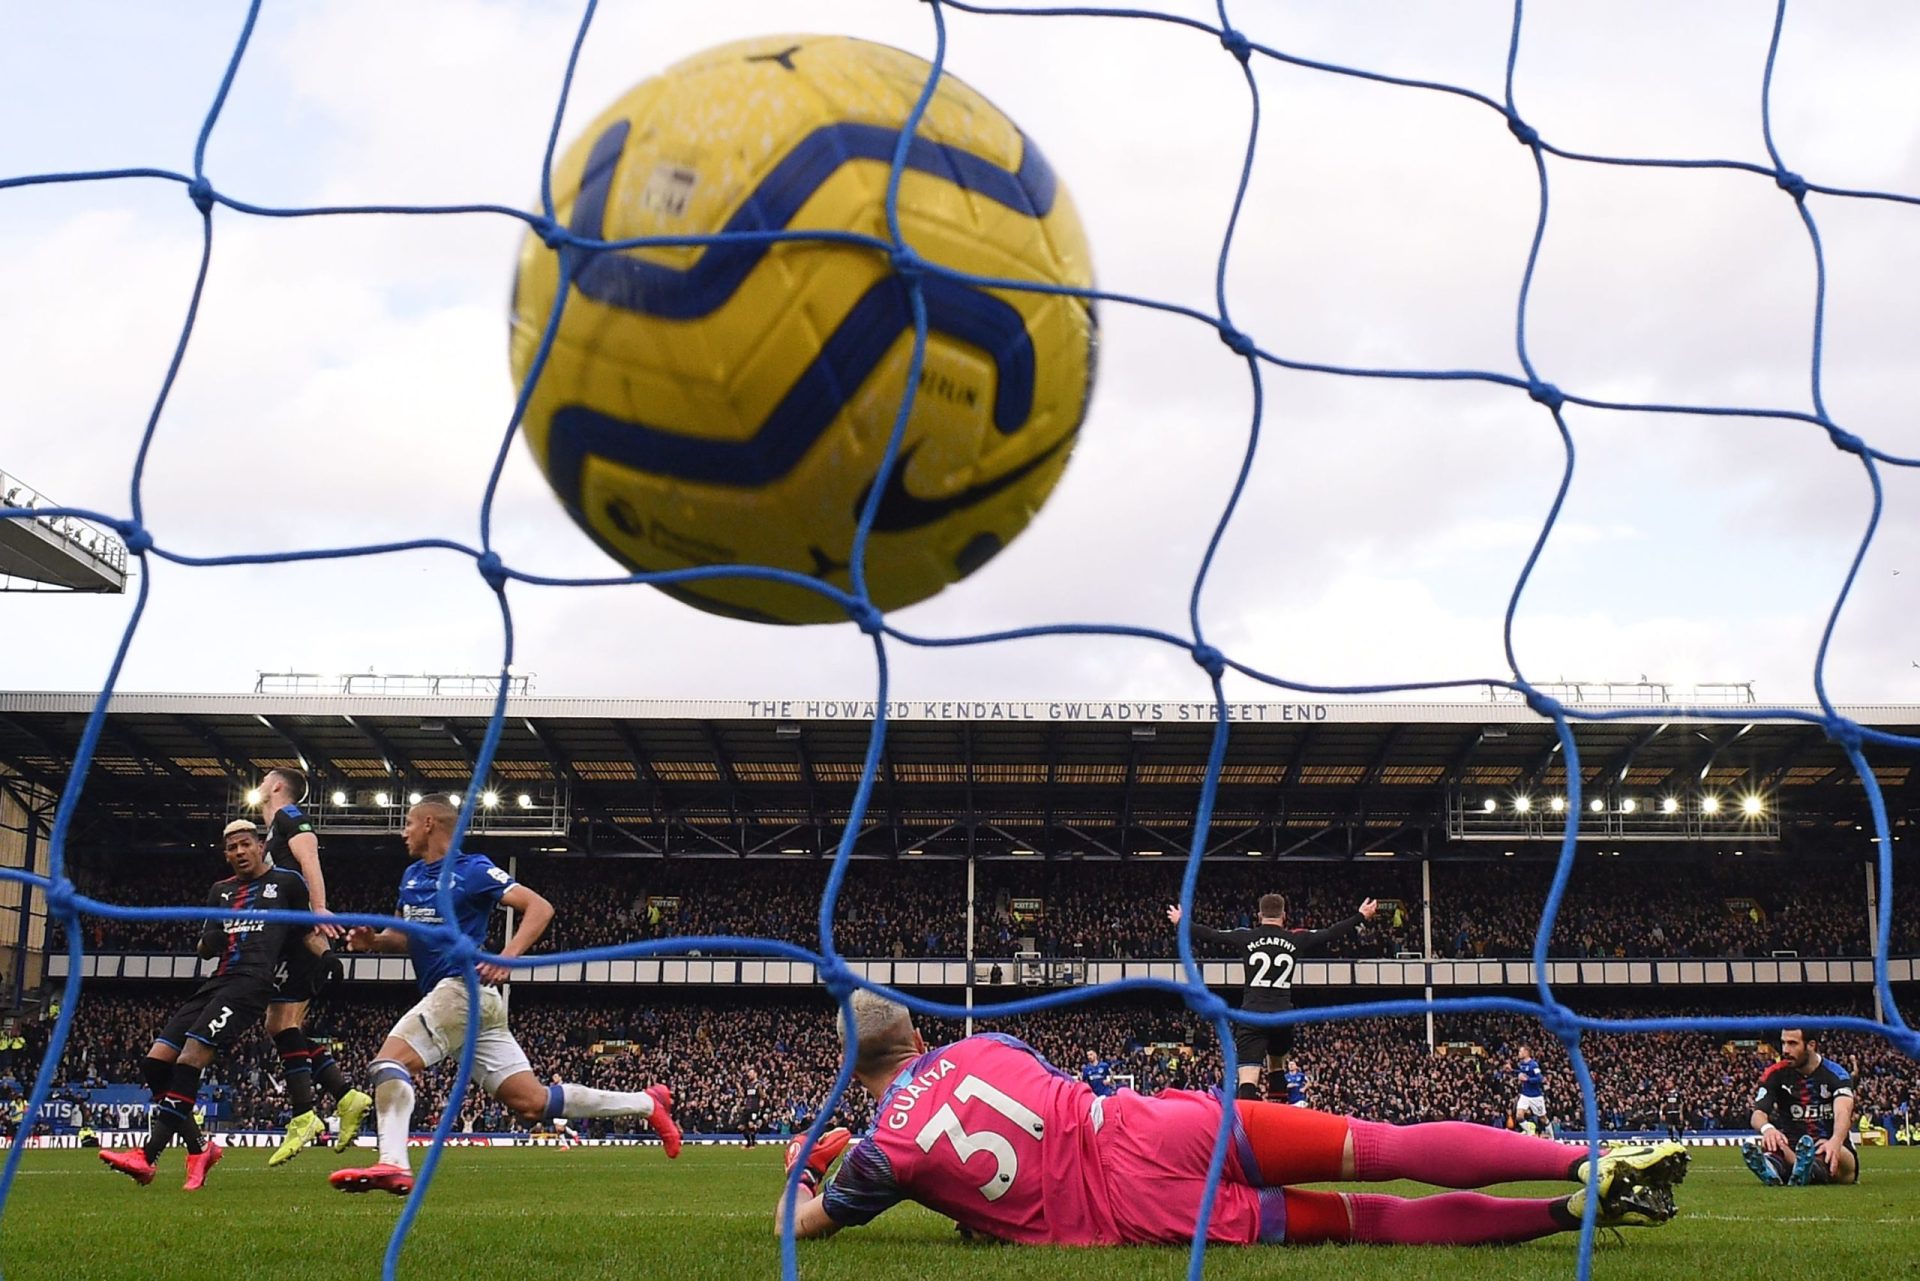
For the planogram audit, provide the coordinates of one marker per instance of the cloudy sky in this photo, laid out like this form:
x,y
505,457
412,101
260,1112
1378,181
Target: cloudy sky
x,y
348,379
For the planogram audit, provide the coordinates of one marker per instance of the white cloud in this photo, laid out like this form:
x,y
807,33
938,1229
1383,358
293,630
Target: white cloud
x,y
348,380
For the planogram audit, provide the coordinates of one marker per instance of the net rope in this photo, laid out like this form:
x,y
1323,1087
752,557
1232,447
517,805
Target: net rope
x,y
836,976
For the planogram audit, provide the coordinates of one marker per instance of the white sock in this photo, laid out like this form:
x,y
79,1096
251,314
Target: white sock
x,y
584,1100
393,1108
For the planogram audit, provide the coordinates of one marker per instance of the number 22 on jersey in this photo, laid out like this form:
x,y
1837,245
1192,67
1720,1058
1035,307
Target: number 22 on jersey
x,y
945,1124
1274,971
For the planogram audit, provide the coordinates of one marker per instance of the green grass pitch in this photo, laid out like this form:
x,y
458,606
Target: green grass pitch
x,y
524,1213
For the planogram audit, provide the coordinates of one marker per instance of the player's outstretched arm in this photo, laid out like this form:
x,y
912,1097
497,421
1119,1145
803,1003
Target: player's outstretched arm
x,y
364,938
1770,1135
1204,933
535,915
1830,1148
810,1218
305,848
1311,938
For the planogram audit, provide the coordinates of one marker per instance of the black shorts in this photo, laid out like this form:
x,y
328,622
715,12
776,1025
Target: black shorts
x,y
219,1011
301,976
1253,1045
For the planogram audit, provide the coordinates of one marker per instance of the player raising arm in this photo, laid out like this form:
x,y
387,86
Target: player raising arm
x,y
436,1028
1272,952
991,1135
303,972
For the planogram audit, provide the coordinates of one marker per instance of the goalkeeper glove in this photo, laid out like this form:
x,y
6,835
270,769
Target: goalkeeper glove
x,y
825,1153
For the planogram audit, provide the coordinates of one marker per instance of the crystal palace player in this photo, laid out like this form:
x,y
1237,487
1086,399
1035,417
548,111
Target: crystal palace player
x,y
1804,1113
436,1028
223,1007
1272,952
291,843
989,1134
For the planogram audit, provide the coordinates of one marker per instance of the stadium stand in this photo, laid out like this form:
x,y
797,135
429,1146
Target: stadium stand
x,y
1379,1068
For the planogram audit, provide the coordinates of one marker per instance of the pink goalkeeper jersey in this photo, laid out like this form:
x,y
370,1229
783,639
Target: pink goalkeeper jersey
x,y
990,1134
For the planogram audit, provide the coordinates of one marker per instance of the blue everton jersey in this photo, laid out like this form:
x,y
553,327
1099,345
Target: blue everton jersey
x,y
1296,1087
1532,1080
477,887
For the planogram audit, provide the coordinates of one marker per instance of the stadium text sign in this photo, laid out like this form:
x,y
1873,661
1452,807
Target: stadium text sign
x,y
853,709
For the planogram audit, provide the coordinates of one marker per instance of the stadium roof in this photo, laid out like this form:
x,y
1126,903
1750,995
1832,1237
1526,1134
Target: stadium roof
x,y
1102,778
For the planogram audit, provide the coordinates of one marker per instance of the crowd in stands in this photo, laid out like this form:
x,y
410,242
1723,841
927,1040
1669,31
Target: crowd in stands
x,y
763,1062
1622,908
1105,910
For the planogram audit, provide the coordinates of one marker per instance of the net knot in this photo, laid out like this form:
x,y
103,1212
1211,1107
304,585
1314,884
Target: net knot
x,y
1547,394
1791,183
552,234
1845,441
1237,343
837,978
1545,705
200,191
907,264
493,569
135,536
866,617
463,951
1208,1006
1236,44
1211,659
1526,133
1843,731
60,896
1560,1021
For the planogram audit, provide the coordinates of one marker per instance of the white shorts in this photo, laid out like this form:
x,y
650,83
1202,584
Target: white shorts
x,y
1535,1105
436,1028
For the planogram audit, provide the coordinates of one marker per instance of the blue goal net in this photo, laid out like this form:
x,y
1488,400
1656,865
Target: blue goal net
x,y
1775,179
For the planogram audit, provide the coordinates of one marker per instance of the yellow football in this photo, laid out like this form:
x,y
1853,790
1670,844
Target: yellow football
x,y
729,403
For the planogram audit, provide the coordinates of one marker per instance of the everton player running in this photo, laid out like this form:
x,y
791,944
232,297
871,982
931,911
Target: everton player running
x,y
229,1002
989,1134
1272,952
1804,1112
291,843
1530,1104
436,1028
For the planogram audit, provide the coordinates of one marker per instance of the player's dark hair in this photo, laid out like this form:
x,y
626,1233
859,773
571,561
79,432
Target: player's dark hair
x,y
295,780
1273,905
1810,1035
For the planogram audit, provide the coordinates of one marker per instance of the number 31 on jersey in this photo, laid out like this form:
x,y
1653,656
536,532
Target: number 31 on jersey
x,y
945,1124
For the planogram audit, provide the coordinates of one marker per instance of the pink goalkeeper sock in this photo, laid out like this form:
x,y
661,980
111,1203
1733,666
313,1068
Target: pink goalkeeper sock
x,y
1455,1154
1451,1218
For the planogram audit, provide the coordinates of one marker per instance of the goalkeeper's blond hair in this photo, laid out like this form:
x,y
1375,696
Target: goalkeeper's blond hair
x,y
879,1030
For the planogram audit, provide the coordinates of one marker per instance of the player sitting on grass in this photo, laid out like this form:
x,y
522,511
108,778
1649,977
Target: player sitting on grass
x,y
232,999
991,1135
436,1028
1804,1113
